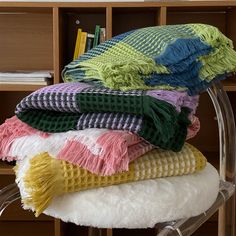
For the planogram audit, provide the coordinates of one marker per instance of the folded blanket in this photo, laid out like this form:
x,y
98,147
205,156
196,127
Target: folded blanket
x,y
188,57
100,151
140,204
161,117
12,129
47,177
15,135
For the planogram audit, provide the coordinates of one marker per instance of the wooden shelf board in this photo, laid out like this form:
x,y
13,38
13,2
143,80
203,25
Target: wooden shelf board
x,y
121,4
19,87
37,10
230,84
6,169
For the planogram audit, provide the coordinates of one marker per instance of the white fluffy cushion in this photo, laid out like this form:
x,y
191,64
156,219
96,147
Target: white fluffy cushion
x,y
141,204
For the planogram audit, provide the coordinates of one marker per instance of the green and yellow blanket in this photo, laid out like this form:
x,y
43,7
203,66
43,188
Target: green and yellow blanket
x,y
185,57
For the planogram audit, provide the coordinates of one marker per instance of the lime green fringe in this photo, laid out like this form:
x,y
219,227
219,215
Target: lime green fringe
x,y
219,61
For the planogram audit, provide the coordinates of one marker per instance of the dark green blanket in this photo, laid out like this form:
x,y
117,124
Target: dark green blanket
x,y
160,117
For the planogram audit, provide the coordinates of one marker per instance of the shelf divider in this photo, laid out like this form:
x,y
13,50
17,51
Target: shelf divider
x,y
162,16
108,22
56,48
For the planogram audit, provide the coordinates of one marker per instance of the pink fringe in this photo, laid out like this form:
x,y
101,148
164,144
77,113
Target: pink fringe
x,y
10,130
115,149
118,148
77,153
193,128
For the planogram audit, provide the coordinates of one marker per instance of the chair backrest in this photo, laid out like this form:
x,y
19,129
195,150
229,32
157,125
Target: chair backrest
x,y
227,161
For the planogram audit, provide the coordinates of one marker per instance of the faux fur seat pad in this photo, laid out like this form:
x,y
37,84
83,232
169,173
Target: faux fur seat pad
x,y
139,204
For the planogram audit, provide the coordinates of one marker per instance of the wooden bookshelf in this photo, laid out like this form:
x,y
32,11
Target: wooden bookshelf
x,y
6,169
229,84
41,36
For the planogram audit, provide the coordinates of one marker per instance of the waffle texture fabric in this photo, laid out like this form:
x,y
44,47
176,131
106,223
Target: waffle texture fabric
x,y
48,177
101,151
15,135
160,117
140,204
187,57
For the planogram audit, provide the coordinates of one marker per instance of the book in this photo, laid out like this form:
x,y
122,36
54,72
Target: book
x,y
102,35
82,43
26,82
89,42
42,77
23,79
96,36
77,44
26,74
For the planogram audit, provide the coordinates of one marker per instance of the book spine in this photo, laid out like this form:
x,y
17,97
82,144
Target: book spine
x,y
96,36
82,43
77,44
102,35
89,43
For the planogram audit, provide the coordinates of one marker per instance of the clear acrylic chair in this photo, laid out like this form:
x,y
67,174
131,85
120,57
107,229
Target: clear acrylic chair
x,y
225,201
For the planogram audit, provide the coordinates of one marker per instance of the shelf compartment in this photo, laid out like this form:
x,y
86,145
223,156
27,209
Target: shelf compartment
x,y
126,19
73,18
21,228
230,84
206,141
221,17
14,212
230,29
26,41
213,16
9,100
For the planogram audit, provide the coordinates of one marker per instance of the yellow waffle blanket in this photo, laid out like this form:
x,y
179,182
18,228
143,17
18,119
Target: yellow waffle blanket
x,y
48,177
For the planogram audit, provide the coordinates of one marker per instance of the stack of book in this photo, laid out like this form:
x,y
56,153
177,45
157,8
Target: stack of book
x,y
26,77
86,41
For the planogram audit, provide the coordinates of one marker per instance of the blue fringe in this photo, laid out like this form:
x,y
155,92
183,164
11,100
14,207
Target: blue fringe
x,y
182,53
189,79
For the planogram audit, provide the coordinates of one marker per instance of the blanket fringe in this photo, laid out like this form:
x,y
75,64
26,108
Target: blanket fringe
x,y
10,130
193,128
216,63
78,154
112,158
223,56
123,75
163,114
113,144
42,181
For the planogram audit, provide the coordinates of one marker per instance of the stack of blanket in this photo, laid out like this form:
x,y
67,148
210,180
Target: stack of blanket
x,y
123,115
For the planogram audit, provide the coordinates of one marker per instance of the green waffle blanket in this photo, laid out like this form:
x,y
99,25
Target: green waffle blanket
x,y
160,117
184,57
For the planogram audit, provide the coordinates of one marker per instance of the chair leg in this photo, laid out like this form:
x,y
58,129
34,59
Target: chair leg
x,y
99,232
